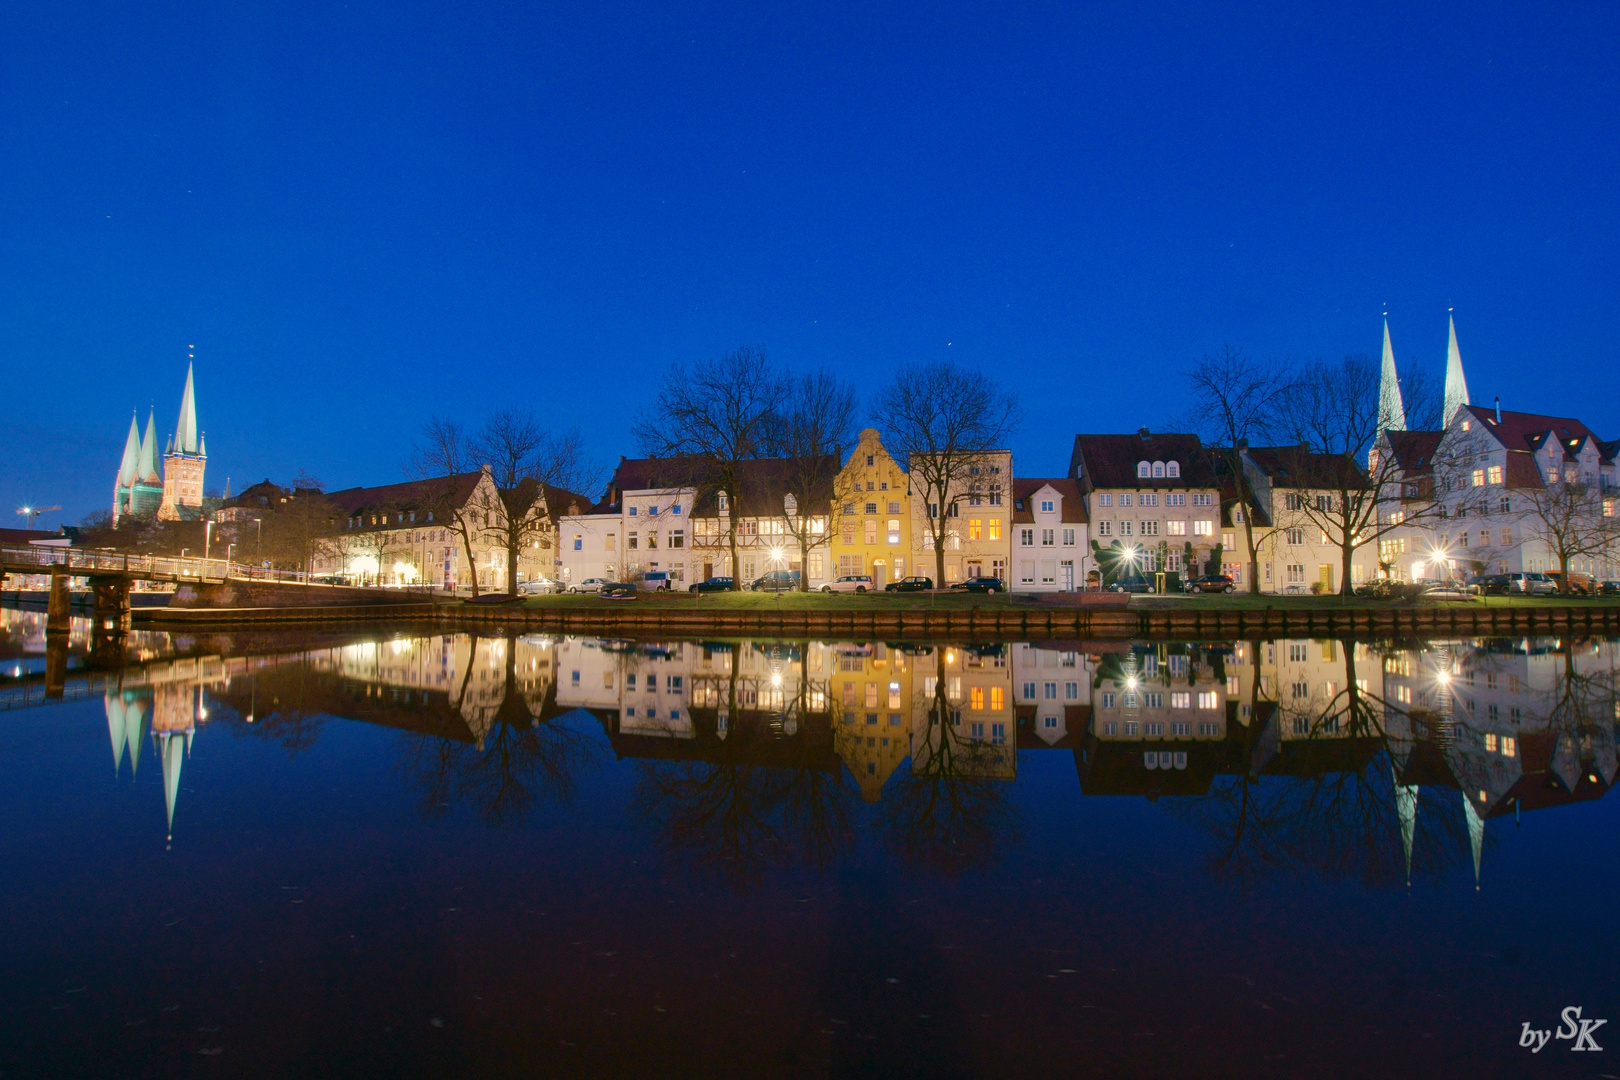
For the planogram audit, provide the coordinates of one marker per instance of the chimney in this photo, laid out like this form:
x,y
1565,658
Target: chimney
x,y
1144,433
1499,408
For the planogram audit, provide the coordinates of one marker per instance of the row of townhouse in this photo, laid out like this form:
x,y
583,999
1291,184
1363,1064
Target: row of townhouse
x,y
1158,497
448,532
1493,491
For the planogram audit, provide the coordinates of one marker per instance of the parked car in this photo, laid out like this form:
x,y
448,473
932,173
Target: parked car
x,y
1132,585
714,584
617,590
590,584
1579,584
1489,585
915,583
1221,583
540,586
1609,588
655,580
981,584
776,581
1531,584
849,583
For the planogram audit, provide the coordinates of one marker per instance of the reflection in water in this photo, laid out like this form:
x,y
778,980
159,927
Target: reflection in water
x,y
1373,761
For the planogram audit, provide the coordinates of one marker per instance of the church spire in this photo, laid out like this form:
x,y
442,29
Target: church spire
x,y
185,432
1456,385
132,454
1406,800
146,467
1391,413
1476,835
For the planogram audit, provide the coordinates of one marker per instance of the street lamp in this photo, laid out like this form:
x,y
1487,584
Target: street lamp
x,y
208,536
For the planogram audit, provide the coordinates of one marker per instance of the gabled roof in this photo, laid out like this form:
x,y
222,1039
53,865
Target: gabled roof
x,y
411,495
559,501
1414,450
1529,431
1300,467
765,482
1109,461
1071,505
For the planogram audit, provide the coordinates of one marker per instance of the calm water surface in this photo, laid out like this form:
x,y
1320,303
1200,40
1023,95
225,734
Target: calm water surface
x,y
395,854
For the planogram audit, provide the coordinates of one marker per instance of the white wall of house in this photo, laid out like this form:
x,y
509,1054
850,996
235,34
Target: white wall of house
x,y
1049,554
1144,518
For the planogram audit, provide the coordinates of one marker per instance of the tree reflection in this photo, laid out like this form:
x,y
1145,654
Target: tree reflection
x,y
759,800
520,757
949,811
1321,792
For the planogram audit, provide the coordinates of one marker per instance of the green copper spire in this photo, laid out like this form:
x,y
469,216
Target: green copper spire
x,y
185,432
1391,412
146,467
132,455
1456,384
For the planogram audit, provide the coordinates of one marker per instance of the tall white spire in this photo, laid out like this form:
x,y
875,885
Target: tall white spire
x,y
132,454
185,432
115,728
1456,385
1391,413
146,467
172,755
1406,800
1476,835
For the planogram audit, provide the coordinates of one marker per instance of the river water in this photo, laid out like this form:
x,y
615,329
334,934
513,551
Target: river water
x,y
449,855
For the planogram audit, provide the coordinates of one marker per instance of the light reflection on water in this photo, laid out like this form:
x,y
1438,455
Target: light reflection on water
x,y
751,764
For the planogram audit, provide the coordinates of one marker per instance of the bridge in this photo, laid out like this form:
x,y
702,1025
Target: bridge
x,y
110,577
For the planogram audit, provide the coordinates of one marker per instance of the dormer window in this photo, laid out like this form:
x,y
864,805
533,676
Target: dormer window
x,y
1158,470
1144,470
1172,469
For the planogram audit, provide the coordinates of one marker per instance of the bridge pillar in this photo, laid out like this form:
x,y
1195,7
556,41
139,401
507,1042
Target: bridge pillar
x,y
112,603
59,608
56,658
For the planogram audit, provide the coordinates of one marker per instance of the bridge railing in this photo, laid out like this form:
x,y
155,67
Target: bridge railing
x,y
160,567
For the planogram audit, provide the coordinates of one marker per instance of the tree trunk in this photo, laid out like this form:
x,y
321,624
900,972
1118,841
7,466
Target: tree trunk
x,y
804,558
472,565
1563,573
1248,540
736,564
1348,548
511,568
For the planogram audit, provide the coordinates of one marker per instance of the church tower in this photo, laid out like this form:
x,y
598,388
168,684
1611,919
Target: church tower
x,y
1391,411
186,458
1456,385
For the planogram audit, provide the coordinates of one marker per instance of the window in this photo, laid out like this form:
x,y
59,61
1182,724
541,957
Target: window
x,y
1144,469
1505,505
632,511
1158,469
1026,572
1029,690
1172,469
998,697
1203,528
871,530
675,509
1208,699
1296,574
1026,537
1148,500
1050,691
894,507
1046,506
1203,500
1105,500
1507,537
579,542
1047,536
1296,537
1182,700
1068,538
1124,500
1493,474
632,543
1479,477
975,529
871,508
976,698
1175,500
1105,528
995,529
871,460
652,511
1108,701
1125,528
894,530
1150,528
1175,528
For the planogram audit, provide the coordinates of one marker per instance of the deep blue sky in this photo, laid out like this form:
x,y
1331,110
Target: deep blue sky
x,y
365,213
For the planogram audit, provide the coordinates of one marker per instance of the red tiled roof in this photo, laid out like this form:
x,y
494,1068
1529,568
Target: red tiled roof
x,y
765,482
413,494
1299,467
1109,461
1072,505
1527,431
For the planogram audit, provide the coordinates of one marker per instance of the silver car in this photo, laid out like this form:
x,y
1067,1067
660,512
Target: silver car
x,y
858,583
1531,584
590,584
539,586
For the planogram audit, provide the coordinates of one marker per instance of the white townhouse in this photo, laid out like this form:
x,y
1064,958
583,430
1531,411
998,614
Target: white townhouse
x,y
1154,495
1050,539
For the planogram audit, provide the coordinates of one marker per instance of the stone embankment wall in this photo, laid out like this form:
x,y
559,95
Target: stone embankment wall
x,y
238,594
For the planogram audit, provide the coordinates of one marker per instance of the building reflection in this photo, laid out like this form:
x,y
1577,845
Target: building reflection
x,y
1375,760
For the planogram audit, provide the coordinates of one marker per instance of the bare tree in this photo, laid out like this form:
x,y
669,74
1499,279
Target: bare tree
x,y
1572,519
818,420
1333,414
942,423
443,452
291,532
719,414
1235,403
525,460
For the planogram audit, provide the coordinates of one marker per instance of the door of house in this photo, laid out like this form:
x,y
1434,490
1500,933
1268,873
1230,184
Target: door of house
x,y
708,571
975,569
1066,575
878,570
1324,574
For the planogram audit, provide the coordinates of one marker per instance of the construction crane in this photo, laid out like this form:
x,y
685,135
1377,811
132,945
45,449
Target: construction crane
x,y
32,512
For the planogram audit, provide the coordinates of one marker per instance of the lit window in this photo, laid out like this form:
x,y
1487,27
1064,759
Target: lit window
x,y
975,529
976,698
998,698
1493,475
995,529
